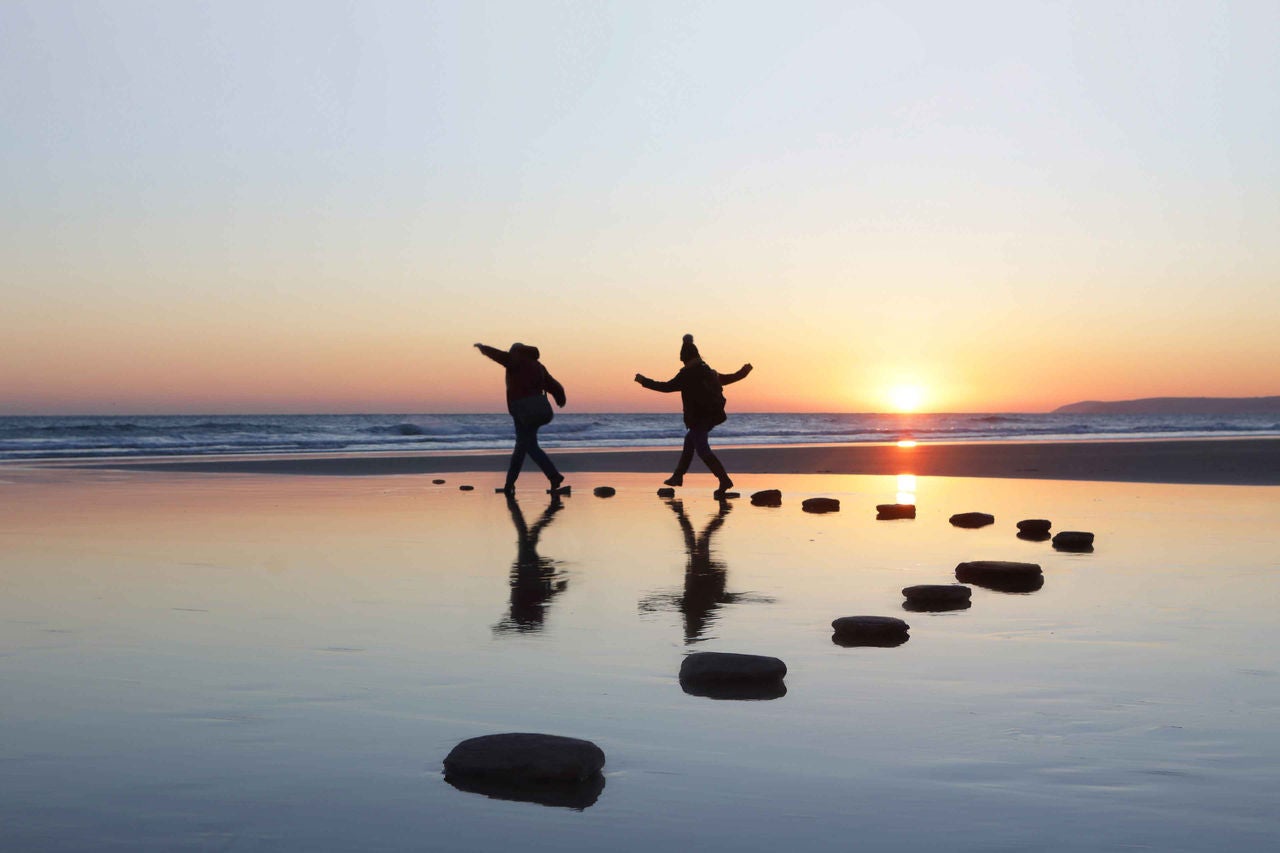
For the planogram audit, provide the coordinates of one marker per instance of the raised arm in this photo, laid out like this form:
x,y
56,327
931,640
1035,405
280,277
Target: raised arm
x,y
654,385
500,356
726,378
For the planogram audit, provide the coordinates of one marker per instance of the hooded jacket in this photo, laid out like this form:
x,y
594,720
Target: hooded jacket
x,y
700,394
526,376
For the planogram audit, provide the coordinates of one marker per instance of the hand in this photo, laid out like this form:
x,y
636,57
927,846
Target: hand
x,y
747,368
478,346
639,378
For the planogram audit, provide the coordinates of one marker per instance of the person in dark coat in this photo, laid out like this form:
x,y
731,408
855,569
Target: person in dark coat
x,y
703,402
528,384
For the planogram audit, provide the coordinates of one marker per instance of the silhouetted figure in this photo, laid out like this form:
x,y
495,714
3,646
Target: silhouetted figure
x,y
534,578
528,384
703,402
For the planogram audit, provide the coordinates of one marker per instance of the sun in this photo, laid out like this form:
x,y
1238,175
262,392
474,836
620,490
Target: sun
x,y
906,398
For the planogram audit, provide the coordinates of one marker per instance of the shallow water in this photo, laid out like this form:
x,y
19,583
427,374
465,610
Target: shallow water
x,y
273,663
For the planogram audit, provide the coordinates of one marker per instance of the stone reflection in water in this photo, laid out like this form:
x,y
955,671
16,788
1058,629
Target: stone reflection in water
x,y
566,795
705,577
535,579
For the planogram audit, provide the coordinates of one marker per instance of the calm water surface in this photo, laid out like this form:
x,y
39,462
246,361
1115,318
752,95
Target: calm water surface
x,y
272,663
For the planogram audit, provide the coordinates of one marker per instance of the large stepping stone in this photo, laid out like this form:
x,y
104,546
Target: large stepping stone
x,y
880,631
730,667
1073,540
522,757
604,491
768,497
1001,575
820,505
934,597
666,492
892,512
972,519
1035,527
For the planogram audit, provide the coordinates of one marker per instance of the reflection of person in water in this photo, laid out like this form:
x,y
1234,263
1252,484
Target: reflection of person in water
x,y
535,580
705,577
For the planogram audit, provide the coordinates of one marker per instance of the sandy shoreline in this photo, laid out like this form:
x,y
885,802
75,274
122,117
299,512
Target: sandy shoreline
x,y
1254,462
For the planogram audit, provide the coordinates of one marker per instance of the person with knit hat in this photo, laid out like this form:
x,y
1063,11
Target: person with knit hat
x,y
703,402
528,384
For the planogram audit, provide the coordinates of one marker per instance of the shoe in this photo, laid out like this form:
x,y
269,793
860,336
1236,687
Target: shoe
x,y
674,480
725,485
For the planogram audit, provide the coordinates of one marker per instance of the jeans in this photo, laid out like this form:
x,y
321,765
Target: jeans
x,y
527,444
695,440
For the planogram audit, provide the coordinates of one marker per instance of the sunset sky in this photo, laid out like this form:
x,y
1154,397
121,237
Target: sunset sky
x,y
318,207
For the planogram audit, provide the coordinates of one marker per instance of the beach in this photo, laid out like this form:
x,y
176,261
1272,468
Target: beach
x,y
1238,461
277,653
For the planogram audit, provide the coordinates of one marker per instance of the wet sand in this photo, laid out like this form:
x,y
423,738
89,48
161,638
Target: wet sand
x,y
1208,462
264,662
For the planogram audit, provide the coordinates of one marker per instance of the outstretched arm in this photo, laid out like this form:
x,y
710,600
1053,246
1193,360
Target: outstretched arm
x,y
494,353
726,378
654,385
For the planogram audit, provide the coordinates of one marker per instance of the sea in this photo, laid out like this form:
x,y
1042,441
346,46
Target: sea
x,y
38,437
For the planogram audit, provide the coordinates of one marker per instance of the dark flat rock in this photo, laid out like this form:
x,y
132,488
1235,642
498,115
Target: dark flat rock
x,y
438,482
892,512
937,593
972,519
666,492
1001,575
522,757
820,505
1035,527
879,631
935,606
1073,540
466,488
604,491
869,626
712,667
768,497
1033,537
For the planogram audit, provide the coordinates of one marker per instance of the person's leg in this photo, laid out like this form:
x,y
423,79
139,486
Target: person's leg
x,y
517,455
540,457
686,457
703,448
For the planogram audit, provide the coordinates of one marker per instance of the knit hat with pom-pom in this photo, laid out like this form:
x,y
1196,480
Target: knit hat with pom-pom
x,y
688,350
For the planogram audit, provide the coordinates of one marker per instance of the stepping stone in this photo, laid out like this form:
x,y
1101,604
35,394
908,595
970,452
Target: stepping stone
x,y
1035,527
465,488
972,519
891,512
525,757
726,496
718,667
820,505
882,631
438,482
935,596
1073,540
768,497
604,491
1033,537
666,492
1001,575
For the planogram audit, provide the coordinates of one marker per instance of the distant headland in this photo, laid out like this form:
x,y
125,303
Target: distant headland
x,y
1176,406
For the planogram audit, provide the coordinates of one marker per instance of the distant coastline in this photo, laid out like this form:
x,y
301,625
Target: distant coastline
x,y
1175,406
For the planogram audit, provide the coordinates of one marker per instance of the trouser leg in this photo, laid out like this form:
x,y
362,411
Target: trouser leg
x,y
703,448
540,457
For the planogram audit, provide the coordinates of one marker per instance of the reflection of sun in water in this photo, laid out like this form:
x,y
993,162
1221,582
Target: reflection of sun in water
x,y
906,398
906,488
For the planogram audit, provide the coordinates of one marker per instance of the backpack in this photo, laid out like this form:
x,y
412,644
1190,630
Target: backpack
x,y
703,396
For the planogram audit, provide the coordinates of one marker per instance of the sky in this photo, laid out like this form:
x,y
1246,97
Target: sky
x,y
319,207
